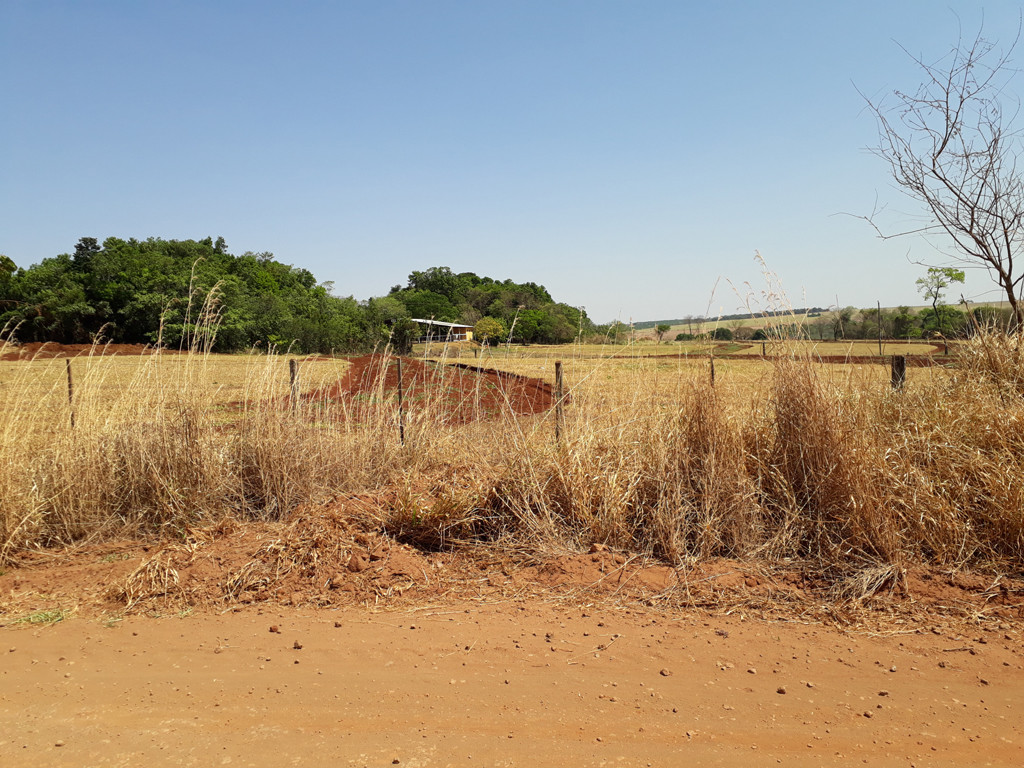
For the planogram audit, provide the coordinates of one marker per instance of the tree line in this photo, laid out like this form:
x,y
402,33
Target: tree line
x,y
172,292
497,309
849,323
940,321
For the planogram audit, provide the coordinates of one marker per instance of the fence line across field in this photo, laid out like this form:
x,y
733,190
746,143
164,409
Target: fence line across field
x,y
898,379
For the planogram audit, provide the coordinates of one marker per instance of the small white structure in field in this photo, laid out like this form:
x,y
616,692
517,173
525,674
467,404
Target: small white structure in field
x,y
438,331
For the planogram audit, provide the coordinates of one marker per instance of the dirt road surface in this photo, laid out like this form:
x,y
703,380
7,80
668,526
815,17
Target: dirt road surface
x,y
507,684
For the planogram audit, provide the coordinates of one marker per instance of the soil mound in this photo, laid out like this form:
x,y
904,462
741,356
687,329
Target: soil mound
x,y
452,394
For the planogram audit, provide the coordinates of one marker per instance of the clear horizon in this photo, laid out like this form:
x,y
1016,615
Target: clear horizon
x,y
632,159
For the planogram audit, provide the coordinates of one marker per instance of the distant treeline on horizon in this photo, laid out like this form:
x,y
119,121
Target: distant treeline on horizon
x,y
648,324
177,292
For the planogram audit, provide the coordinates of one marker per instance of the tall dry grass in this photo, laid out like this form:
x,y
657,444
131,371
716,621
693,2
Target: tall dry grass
x,y
155,447
807,461
780,459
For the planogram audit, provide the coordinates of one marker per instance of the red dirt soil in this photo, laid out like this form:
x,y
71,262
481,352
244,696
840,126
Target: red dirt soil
x,y
454,394
320,642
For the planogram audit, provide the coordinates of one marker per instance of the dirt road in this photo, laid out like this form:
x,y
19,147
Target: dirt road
x,y
507,684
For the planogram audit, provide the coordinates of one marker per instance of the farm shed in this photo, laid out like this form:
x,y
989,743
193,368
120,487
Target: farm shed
x,y
435,330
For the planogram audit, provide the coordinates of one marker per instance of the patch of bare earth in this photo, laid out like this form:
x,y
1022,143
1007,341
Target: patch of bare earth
x,y
323,641
451,393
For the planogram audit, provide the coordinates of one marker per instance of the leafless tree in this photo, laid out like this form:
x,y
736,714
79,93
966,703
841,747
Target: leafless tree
x,y
950,145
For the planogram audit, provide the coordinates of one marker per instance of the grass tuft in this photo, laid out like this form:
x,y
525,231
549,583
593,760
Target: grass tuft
x,y
51,616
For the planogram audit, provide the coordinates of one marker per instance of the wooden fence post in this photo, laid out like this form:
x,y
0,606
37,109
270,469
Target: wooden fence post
x,y
712,359
899,371
559,413
293,374
401,406
879,328
71,393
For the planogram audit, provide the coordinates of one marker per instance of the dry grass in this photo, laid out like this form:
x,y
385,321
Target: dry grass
x,y
780,459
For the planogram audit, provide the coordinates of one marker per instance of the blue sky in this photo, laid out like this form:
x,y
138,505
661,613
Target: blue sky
x,y
627,155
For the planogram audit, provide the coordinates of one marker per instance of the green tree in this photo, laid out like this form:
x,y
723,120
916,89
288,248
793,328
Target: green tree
x,y
991,317
488,330
8,286
661,329
946,321
403,333
904,324
842,320
439,280
933,287
428,305
380,316
618,332
85,249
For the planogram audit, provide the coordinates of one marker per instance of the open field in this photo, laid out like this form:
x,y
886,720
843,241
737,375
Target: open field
x,y
224,378
239,573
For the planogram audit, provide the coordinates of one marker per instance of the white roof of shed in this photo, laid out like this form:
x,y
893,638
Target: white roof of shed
x,y
438,322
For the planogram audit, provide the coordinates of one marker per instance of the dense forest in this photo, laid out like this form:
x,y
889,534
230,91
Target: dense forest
x,y
171,291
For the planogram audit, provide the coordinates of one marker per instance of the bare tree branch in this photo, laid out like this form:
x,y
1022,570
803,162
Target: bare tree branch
x,y
951,146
